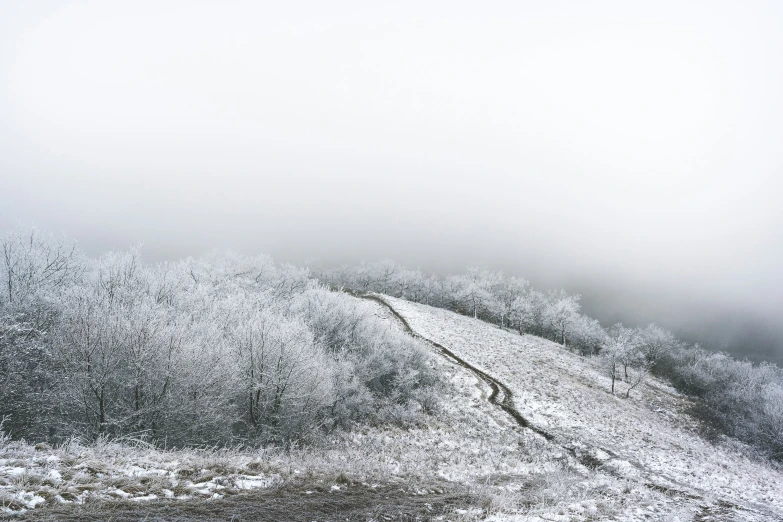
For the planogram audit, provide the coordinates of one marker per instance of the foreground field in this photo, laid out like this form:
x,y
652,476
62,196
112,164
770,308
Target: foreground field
x,y
608,458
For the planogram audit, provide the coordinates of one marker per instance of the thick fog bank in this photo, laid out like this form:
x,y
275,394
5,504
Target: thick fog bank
x,y
627,151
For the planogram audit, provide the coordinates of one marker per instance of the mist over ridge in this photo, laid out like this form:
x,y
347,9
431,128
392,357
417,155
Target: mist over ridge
x,y
627,153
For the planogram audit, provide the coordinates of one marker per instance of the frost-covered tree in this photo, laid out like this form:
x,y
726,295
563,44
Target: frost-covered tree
x,y
528,312
35,269
34,265
408,284
362,278
587,335
26,376
768,419
505,293
560,314
115,343
432,290
472,291
618,348
655,343
285,377
382,274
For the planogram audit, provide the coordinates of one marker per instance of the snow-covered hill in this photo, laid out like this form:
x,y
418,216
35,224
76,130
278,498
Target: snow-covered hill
x,y
648,440
609,458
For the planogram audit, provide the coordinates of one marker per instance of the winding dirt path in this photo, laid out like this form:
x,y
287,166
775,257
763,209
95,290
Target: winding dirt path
x,y
500,396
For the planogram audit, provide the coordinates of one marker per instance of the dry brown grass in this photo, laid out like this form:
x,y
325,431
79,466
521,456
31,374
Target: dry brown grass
x,y
294,502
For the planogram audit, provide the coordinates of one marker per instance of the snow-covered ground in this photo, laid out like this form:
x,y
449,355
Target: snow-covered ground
x,y
647,440
31,476
612,458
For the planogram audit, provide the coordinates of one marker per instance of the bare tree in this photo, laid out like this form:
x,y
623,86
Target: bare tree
x,y
506,292
473,290
33,264
561,312
619,344
529,311
655,343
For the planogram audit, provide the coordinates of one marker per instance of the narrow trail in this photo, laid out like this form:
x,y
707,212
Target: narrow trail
x,y
500,396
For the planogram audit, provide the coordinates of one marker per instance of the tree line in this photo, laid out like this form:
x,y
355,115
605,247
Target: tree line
x,y
738,398
229,349
224,349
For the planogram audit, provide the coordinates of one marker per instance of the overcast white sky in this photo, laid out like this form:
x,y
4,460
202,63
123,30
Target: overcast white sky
x,y
633,149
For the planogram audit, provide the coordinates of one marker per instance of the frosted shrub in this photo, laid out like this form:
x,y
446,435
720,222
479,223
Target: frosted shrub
x,y
220,350
375,366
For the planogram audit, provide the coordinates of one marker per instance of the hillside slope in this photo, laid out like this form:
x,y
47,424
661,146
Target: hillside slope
x,y
647,440
586,455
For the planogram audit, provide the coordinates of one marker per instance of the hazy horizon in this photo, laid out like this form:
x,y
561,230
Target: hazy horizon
x,y
629,153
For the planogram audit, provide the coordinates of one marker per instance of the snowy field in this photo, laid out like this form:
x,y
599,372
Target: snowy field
x,y
648,440
612,458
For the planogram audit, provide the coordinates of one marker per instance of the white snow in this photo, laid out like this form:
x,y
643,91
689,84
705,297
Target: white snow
x,y
75,474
